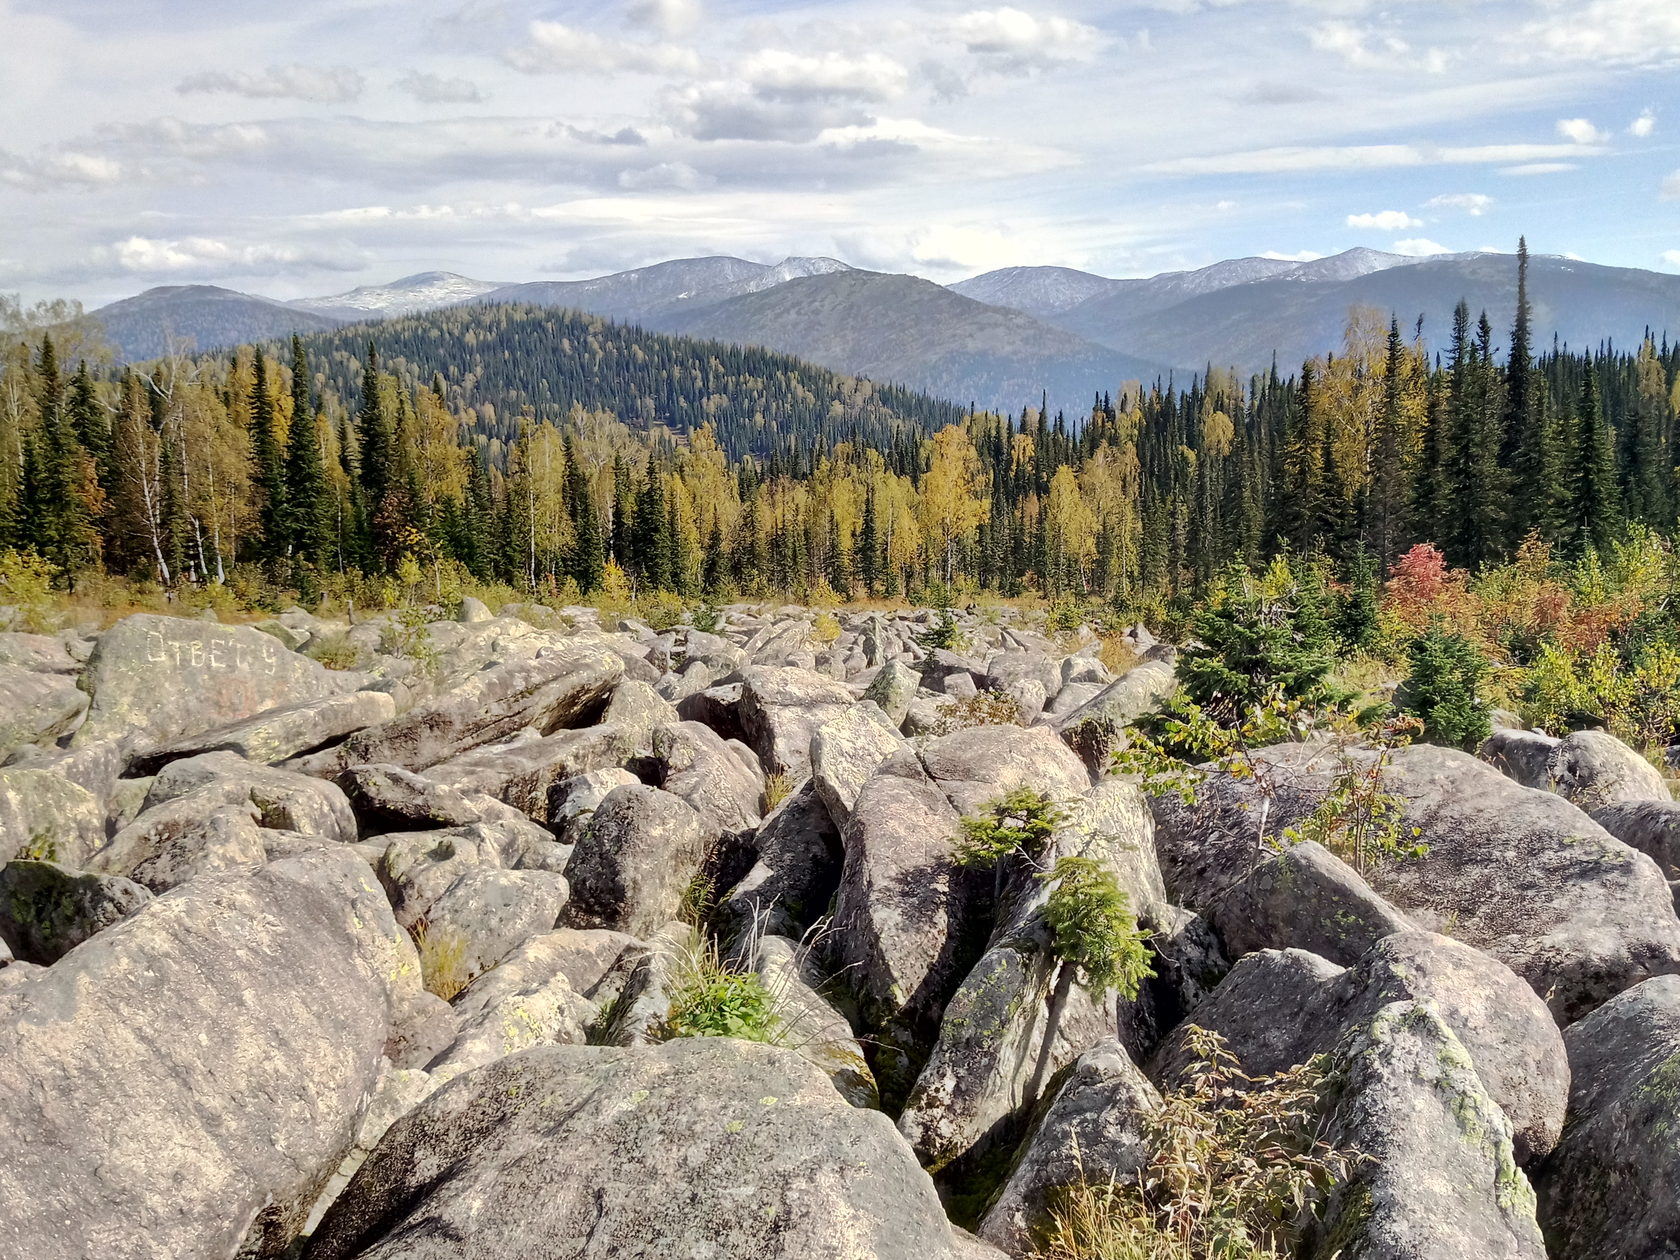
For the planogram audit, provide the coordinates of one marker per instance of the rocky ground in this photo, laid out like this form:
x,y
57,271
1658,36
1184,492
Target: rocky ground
x,y
217,1040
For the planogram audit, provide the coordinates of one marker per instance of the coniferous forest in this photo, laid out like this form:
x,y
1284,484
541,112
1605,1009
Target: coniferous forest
x,y
549,450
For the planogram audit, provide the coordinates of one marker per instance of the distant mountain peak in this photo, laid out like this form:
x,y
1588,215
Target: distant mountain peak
x,y
423,291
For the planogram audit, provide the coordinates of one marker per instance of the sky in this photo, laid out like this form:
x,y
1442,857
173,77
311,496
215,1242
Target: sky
x,y
302,149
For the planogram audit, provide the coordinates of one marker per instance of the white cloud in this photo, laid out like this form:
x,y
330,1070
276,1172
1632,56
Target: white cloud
x,y
673,17
1671,257
325,85
1305,255
145,255
677,175
435,89
1580,131
1644,125
1384,221
1671,187
555,47
1538,168
1364,157
59,169
1629,32
1419,247
1018,40
780,75
1473,204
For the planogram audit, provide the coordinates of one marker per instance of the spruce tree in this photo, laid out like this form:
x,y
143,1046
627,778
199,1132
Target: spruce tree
x,y
869,545
1594,514
375,457
1523,450
269,466
1387,503
308,526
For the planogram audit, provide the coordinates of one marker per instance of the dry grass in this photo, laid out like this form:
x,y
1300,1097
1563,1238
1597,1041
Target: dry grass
x,y
1116,653
989,708
777,788
443,960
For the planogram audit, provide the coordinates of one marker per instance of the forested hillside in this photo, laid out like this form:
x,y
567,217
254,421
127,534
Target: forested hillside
x,y
535,447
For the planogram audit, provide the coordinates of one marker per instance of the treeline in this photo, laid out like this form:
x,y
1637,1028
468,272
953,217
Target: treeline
x,y
306,462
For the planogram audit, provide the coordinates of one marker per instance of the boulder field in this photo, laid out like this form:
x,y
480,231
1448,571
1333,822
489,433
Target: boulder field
x,y
398,960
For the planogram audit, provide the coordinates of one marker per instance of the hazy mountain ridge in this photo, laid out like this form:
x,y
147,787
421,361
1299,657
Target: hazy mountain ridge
x,y
424,291
919,334
203,316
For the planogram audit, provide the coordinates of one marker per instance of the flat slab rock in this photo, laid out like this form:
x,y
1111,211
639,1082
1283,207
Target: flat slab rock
x,y
701,1147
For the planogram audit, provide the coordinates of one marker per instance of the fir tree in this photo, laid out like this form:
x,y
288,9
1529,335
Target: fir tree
x,y
268,465
308,525
1594,512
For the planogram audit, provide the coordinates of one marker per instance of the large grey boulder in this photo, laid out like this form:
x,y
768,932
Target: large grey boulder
x,y
1437,1176
544,692
1522,755
1652,827
47,910
904,928
37,708
1507,1031
1094,729
155,679
387,798
44,653
808,1022
284,800
892,689
523,773
695,763
507,1010
277,734
1520,873
637,710
1091,1130
706,1146
634,862
719,655
1304,897
1609,1189
168,1111
193,835
782,708
1593,769
44,815
981,763
846,752
487,912
795,874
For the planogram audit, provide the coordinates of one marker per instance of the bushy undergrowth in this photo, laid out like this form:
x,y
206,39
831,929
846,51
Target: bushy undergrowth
x,y
712,998
1237,1164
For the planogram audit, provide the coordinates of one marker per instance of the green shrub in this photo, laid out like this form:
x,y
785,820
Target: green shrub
x,y
987,708
1094,930
1445,688
661,610
1021,821
26,584
710,998
943,635
1251,644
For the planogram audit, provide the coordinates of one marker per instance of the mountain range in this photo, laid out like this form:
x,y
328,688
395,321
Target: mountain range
x,y
1000,340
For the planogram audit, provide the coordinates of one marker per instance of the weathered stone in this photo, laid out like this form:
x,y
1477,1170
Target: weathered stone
x,y
1437,1177
130,1065
637,710
543,692
522,774
276,734
1091,1130
808,1022
846,752
1522,755
1304,897
155,679
719,655
509,1014
284,800
633,864
796,874
487,913
724,1148
892,689
781,709
45,816
37,708
192,835
1006,669
1511,1038
1607,1192
904,921
1094,729
1652,827
696,764
43,653
1520,873
47,910
387,798
981,763
1593,769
